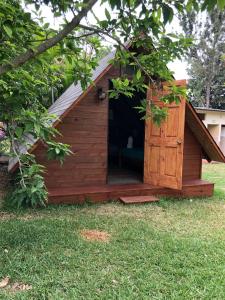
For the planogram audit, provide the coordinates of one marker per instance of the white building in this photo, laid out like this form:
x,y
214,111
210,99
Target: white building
x,y
214,120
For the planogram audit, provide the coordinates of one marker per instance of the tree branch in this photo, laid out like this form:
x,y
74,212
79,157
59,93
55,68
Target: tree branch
x,y
49,43
69,38
116,39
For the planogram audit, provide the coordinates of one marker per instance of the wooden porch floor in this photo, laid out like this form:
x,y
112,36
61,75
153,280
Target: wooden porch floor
x,y
103,193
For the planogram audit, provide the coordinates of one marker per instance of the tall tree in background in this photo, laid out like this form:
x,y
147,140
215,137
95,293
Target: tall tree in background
x,y
206,57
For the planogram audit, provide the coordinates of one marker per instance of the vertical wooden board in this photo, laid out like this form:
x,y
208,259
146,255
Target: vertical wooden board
x,y
167,142
192,168
155,130
171,128
152,166
154,162
170,162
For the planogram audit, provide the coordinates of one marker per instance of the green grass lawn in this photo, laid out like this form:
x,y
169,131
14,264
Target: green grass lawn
x,y
169,250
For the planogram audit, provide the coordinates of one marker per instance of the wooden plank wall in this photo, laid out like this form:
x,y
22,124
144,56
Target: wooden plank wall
x,y
192,167
85,128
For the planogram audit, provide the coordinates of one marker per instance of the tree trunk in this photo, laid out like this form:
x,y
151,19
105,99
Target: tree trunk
x,y
207,96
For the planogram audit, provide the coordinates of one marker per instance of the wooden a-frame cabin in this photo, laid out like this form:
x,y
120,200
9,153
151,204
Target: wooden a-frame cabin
x,y
117,154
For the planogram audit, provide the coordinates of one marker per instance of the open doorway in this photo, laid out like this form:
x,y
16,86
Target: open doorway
x,y
125,140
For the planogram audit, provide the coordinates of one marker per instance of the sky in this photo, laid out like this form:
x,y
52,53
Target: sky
x,y
179,67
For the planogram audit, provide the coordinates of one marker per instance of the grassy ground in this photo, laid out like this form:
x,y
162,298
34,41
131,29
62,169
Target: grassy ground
x,y
169,250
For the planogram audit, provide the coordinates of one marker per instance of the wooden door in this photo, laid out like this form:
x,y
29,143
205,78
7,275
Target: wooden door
x,y
163,163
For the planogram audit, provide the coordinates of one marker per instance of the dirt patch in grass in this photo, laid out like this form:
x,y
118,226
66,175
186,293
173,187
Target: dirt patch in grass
x,y
95,235
4,282
6,216
14,287
18,286
30,217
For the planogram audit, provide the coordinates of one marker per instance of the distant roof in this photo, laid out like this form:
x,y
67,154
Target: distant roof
x,y
209,109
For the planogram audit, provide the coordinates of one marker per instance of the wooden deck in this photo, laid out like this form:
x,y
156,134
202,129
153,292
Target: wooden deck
x,y
103,193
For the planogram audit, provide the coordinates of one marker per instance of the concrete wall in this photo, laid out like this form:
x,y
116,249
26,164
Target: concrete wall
x,y
215,131
215,122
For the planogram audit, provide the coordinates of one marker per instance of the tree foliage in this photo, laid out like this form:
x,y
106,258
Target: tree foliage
x,y
34,60
206,57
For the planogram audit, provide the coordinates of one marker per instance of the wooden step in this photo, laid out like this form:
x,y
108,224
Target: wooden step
x,y
138,199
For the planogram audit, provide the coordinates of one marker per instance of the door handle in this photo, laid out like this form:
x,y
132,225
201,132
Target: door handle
x,y
179,141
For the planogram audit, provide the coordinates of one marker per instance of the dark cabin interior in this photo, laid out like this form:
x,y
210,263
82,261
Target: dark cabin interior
x,y
125,140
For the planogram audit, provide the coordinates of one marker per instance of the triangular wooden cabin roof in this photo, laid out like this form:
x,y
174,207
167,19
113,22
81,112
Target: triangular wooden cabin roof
x,y
74,94
203,136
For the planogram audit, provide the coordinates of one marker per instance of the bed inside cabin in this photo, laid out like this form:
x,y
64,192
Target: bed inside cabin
x,y
125,140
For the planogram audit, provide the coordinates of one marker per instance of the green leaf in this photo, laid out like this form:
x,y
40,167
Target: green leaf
x,y
167,13
107,14
19,132
221,4
8,30
189,5
138,74
103,23
209,4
